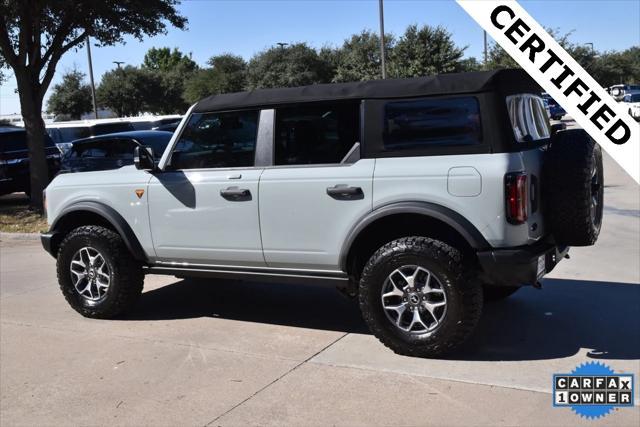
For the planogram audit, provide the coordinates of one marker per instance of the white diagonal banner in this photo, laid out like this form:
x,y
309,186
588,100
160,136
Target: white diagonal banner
x,y
606,121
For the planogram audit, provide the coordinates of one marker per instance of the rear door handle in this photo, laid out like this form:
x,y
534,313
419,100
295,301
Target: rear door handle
x,y
236,194
345,192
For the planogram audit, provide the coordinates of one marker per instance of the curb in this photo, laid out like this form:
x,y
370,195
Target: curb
x,y
19,236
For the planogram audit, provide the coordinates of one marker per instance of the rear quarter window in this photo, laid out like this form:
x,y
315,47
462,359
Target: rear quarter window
x,y
529,118
424,123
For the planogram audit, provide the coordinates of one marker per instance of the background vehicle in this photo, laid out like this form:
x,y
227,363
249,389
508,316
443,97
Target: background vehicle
x,y
619,91
633,101
420,197
555,110
110,151
153,122
14,160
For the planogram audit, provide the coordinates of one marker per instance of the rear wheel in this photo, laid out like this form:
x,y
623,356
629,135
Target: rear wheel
x,y
97,275
415,298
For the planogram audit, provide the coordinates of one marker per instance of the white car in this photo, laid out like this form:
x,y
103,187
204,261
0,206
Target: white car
x,y
633,101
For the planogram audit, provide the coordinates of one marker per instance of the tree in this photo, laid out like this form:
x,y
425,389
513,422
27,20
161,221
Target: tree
x,y
228,73
469,64
164,59
423,52
127,90
72,97
168,70
359,57
35,34
294,65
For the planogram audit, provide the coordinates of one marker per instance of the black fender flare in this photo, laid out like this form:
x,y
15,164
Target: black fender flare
x,y
109,214
453,219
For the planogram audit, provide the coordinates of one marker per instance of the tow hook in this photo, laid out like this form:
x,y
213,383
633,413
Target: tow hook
x,y
537,285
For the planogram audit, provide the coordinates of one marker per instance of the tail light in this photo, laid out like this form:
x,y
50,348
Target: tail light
x,y
516,197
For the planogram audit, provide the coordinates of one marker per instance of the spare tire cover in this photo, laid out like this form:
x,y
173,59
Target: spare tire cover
x,y
573,187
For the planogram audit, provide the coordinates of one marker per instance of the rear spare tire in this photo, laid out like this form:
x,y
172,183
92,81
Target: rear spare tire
x,y
574,188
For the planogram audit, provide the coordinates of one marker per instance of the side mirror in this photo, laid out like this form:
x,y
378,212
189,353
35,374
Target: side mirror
x,y
143,159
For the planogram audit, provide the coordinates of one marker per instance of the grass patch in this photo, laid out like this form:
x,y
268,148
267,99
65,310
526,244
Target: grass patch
x,y
17,217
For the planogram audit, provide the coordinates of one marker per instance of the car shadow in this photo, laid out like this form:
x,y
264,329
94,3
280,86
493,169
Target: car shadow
x,y
555,322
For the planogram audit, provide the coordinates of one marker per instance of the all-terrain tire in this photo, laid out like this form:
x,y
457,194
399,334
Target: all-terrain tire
x,y
574,181
497,293
463,296
126,276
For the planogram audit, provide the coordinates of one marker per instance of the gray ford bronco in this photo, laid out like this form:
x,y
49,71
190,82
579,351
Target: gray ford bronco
x,y
421,197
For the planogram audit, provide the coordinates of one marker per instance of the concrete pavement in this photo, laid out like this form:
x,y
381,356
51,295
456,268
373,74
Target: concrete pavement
x,y
235,353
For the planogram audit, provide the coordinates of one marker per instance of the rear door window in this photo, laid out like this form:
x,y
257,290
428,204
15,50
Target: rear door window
x,y
529,118
316,134
436,122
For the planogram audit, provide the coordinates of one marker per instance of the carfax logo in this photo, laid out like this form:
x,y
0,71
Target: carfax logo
x,y
592,390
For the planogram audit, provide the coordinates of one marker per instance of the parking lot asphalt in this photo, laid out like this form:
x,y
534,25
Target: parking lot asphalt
x,y
237,353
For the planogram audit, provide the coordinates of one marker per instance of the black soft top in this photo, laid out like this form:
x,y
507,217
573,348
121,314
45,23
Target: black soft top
x,y
507,81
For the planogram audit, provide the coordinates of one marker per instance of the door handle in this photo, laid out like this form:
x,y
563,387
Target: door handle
x,y
236,194
345,192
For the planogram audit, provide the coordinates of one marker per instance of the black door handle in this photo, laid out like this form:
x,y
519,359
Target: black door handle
x,y
236,194
345,192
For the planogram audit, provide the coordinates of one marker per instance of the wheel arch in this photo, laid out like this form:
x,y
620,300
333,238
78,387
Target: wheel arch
x,y
95,213
403,219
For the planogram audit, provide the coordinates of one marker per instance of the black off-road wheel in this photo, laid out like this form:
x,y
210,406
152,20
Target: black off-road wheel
x,y
97,275
416,298
497,293
574,188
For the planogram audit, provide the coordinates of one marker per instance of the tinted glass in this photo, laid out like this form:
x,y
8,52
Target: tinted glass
x,y
17,141
72,133
105,128
431,123
315,134
528,117
13,141
142,125
217,140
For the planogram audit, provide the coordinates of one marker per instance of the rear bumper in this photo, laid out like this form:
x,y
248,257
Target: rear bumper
x,y
523,265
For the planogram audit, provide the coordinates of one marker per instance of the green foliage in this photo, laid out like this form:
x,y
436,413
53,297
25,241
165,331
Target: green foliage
x,y
424,51
167,60
359,57
294,65
127,90
611,68
227,74
71,97
607,68
167,71
35,34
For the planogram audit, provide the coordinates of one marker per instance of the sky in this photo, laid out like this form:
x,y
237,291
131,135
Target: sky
x,y
245,27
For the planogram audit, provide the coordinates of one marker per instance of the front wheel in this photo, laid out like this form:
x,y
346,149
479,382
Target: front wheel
x,y
415,298
97,275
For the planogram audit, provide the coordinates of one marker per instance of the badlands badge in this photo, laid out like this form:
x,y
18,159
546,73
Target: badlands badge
x,y
593,390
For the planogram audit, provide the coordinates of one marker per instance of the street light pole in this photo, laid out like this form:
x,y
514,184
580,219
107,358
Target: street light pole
x,y
93,86
486,51
382,50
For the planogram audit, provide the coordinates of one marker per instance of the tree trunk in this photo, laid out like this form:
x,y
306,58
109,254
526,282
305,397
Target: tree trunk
x,y
31,109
